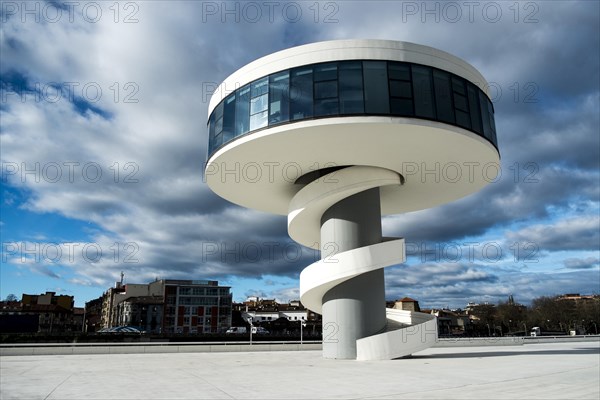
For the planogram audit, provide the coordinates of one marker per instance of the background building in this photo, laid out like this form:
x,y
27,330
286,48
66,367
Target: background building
x,y
169,306
93,315
277,318
43,313
145,312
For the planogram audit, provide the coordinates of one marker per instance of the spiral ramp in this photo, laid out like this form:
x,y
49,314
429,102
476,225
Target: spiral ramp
x,y
404,332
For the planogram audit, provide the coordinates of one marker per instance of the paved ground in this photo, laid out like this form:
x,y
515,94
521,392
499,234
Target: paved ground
x,y
533,371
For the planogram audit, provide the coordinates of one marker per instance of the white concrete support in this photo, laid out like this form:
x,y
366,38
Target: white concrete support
x,y
347,285
354,308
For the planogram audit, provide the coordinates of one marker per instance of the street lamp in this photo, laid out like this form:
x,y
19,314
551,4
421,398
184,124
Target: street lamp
x,y
250,322
302,324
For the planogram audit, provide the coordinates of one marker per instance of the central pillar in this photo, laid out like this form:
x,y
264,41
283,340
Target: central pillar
x,y
356,308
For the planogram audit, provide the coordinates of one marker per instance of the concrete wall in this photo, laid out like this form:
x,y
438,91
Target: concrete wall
x,y
115,348
193,347
483,341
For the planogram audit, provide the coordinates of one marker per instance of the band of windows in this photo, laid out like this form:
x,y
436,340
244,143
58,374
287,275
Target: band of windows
x,y
352,88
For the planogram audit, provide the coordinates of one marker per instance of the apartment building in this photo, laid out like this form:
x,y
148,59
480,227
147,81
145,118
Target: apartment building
x,y
169,306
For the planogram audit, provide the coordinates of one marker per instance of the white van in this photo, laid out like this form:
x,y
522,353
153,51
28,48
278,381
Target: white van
x,y
236,329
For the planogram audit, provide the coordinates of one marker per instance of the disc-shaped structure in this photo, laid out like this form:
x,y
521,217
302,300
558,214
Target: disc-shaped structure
x,y
334,135
412,109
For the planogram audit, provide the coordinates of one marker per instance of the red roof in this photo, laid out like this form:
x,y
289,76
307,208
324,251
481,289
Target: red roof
x,y
407,299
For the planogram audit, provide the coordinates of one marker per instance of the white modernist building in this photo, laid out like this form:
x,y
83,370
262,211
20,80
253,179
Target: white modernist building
x,y
336,134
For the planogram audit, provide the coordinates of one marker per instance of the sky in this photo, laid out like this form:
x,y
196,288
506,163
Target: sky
x,y
103,135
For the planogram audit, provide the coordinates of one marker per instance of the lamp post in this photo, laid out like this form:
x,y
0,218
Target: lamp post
x,y
250,322
83,325
302,323
489,332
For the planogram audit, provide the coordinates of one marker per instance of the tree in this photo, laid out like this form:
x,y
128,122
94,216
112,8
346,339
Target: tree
x,y
11,297
512,316
484,319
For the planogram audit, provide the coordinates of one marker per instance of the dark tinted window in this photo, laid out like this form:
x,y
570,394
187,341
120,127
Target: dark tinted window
x,y
259,87
279,104
326,107
351,88
485,118
326,90
219,119
377,99
458,86
443,96
399,71
301,93
402,107
326,72
423,92
242,111
400,89
229,118
461,104
474,109
211,132
491,119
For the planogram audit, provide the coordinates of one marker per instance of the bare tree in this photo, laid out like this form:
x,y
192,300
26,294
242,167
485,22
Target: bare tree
x,y
11,297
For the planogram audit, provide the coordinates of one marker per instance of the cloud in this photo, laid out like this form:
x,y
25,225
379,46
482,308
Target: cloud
x,y
285,295
442,274
580,233
582,263
282,295
480,285
131,159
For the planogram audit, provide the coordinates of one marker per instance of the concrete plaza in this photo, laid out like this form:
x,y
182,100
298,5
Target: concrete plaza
x,y
535,371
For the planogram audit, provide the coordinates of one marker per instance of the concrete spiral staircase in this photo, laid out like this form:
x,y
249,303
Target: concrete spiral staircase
x,y
405,332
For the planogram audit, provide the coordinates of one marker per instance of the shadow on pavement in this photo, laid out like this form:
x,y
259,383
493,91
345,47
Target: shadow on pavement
x,y
482,354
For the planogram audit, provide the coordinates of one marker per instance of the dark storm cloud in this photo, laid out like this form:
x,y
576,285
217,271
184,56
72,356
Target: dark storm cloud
x,y
175,57
442,274
582,263
523,285
581,233
498,205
